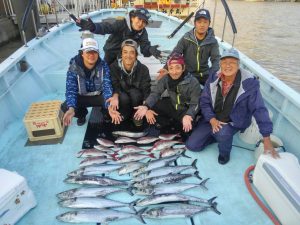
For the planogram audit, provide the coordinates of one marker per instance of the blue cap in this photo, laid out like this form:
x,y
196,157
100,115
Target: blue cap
x,y
143,14
204,13
232,53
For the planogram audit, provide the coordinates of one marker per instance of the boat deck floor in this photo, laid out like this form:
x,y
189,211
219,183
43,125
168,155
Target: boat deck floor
x,y
45,167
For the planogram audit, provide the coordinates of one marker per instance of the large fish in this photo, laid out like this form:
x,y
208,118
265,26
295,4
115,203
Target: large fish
x,y
168,136
92,153
130,167
133,149
94,203
146,140
101,181
166,179
129,134
178,211
91,192
106,149
133,157
161,171
173,151
167,198
98,216
95,170
169,188
105,142
124,140
159,145
155,164
95,160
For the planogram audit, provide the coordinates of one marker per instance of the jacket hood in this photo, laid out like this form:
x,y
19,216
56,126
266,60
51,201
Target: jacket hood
x,y
209,39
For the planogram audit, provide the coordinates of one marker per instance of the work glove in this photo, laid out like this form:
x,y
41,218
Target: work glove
x,y
86,25
155,52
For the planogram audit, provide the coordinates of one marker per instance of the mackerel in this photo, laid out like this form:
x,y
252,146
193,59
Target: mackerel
x,y
169,188
91,192
129,134
168,136
130,167
159,145
105,142
124,140
161,171
146,140
95,170
94,160
156,164
92,153
103,216
178,211
166,179
167,198
101,181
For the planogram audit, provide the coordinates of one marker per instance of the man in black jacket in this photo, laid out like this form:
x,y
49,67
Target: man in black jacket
x,y
130,80
132,27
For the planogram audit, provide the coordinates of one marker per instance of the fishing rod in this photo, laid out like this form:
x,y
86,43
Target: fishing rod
x,y
70,14
185,21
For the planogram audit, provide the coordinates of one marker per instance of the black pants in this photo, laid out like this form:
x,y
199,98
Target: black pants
x,y
83,102
129,99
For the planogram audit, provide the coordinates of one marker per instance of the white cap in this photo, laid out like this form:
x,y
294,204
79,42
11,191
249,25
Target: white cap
x,y
90,44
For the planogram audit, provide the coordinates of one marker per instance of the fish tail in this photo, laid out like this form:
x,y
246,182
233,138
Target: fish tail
x,y
132,204
210,201
194,164
129,190
214,208
202,184
197,175
140,215
152,156
184,155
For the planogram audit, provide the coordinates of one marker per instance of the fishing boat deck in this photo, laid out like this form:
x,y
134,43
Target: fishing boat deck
x,y
45,166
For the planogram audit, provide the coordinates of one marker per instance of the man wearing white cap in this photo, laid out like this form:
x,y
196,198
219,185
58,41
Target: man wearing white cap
x,y
230,98
88,83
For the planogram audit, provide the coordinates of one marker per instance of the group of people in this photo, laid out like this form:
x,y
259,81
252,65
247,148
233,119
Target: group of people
x,y
210,104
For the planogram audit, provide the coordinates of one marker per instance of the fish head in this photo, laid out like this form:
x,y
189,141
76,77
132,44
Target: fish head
x,y
67,217
153,213
144,191
70,180
67,202
76,173
66,194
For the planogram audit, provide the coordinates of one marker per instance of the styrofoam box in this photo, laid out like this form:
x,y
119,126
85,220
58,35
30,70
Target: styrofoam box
x,y
278,181
16,198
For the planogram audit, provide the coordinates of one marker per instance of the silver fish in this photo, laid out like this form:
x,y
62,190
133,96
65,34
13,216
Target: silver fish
x,y
161,171
167,198
130,167
92,153
146,140
98,216
178,211
106,149
95,170
159,145
101,181
124,140
155,164
166,179
91,192
169,188
133,157
173,151
93,203
129,134
133,149
95,160
105,142
168,136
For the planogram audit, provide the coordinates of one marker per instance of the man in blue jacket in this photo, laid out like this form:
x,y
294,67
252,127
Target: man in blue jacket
x,y
229,100
131,27
88,84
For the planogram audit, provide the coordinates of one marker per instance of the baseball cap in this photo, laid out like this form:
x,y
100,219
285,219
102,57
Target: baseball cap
x,y
176,58
232,53
143,14
129,42
89,44
202,13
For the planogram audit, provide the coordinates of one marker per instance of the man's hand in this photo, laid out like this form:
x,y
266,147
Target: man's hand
x,y
150,116
161,73
141,112
155,52
113,102
187,123
86,24
67,119
116,117
269,149
216,125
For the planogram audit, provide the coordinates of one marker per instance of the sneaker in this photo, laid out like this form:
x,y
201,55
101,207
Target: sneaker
x,y
223,159
81,121
137,123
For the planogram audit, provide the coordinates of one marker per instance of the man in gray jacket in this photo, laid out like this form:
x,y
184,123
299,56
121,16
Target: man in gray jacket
x,y
198,46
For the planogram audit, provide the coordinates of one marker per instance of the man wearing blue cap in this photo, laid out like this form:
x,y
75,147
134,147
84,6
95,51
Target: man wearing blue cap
x,y
132,27
230,98
198,46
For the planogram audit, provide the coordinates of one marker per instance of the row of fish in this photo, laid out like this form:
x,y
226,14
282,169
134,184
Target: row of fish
x,y
157,180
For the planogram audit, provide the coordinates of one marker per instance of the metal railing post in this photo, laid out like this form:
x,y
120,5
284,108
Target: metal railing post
x,y
224,28
214,15
24,38
55,12
34,24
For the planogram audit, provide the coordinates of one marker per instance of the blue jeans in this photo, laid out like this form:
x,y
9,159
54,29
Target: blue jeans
x,y
202,136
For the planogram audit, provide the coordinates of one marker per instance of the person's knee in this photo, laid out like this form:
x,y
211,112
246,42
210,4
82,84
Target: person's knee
x,y
136,97
221,137
193,145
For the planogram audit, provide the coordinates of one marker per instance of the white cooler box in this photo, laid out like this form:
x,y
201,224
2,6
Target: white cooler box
x,y
16,198
278,181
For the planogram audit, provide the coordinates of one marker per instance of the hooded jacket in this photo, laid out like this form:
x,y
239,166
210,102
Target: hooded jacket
x,y
248,103
79,83
196,57
138,78
186,97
